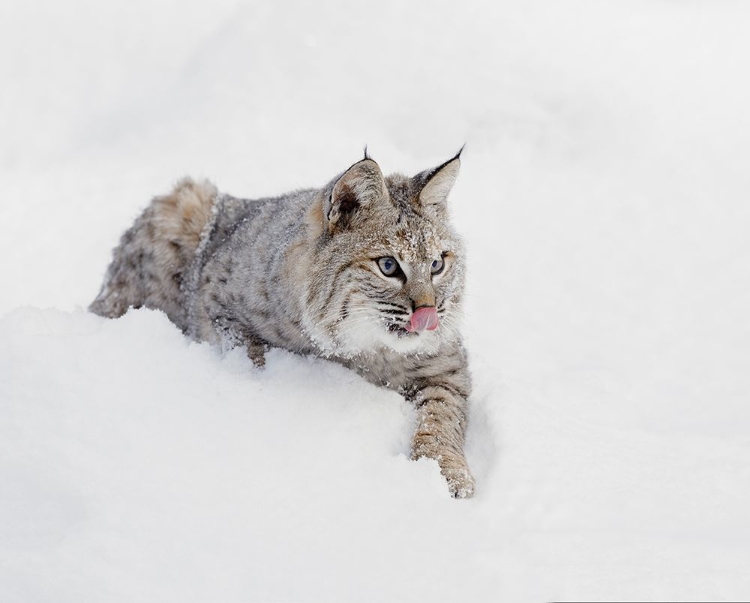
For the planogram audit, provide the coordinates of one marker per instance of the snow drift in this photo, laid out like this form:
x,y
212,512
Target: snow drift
x,y
603,198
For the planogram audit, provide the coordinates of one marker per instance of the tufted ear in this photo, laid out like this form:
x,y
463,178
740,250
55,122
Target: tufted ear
x,y
361,186
435,184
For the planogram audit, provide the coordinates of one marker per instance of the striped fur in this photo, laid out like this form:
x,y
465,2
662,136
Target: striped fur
x,y
301,272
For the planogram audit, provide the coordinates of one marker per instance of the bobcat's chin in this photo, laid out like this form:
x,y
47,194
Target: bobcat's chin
x,y
366,337
411,343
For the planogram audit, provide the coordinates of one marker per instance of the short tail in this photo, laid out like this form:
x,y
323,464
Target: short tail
x,y
150,263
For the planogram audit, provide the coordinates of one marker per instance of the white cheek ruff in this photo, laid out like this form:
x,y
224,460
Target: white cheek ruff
x,y
425,341
371,335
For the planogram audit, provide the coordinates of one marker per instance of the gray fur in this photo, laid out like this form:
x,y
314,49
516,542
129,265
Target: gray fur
x,y
300,272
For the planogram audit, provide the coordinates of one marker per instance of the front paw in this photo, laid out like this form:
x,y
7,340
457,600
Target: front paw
x,y
460,481
453,467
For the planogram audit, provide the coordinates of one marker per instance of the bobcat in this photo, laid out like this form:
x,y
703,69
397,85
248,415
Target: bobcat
x,y
365,271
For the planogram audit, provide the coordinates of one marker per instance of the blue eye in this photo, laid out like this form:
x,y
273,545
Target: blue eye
x,y
388,266
437,266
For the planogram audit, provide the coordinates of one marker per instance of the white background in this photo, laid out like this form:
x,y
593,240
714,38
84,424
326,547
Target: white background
x,y
604,201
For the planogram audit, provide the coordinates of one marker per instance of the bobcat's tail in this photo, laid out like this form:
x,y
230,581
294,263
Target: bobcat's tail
x,y
154,255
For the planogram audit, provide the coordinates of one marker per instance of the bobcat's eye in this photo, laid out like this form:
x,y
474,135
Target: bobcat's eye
x,y
437,266
388,266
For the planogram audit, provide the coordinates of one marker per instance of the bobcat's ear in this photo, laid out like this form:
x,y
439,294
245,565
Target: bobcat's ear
x,y
435,184
361,186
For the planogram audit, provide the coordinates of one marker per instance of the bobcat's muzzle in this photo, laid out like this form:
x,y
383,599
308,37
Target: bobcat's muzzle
x,y
424,319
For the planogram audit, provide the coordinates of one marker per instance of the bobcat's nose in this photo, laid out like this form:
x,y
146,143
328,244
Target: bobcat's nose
x,y
424,318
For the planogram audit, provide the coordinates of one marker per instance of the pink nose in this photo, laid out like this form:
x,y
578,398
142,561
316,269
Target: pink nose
x,y
425,318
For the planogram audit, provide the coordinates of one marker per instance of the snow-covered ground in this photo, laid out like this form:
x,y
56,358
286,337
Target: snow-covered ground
x,y
604,199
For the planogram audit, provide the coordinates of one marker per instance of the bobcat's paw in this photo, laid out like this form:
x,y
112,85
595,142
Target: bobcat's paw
x,y
256,351
453,467
460,481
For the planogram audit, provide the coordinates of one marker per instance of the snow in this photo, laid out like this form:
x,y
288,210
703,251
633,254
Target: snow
x,y
603,198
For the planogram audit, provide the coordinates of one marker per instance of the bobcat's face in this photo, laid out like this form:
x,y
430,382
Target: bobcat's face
x,y
393,266
404,287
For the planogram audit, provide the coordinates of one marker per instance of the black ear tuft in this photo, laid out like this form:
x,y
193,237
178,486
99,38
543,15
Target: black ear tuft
x,y
367,156
435,184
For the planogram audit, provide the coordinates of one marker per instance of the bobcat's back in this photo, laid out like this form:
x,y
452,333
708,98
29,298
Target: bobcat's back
x,y
154,256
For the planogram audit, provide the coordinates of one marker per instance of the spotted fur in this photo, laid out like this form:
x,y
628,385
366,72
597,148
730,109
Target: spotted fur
x,y
301,272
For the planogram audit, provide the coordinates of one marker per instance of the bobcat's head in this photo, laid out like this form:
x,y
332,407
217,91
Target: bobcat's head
x,y
389,269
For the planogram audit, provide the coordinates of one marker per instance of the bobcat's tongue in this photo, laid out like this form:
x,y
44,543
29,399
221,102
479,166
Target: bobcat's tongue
x,y
424,318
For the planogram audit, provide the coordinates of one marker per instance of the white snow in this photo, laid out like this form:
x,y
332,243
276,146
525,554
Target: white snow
x,y
604,200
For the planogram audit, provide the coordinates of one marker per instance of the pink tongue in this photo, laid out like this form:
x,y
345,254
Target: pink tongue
x,y
424,318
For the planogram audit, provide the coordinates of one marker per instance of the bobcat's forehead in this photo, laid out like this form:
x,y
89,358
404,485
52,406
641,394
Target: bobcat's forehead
x,y
413,232
419,241
412,238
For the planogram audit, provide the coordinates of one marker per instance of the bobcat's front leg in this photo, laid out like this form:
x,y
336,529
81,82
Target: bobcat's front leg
x,y
441,425
231,334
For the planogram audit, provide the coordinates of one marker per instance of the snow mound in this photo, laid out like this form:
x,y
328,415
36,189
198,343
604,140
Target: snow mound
x,y
137,465
603,199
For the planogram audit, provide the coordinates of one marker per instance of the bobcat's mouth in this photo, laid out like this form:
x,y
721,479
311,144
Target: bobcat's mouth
x,y
423,319
400,330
